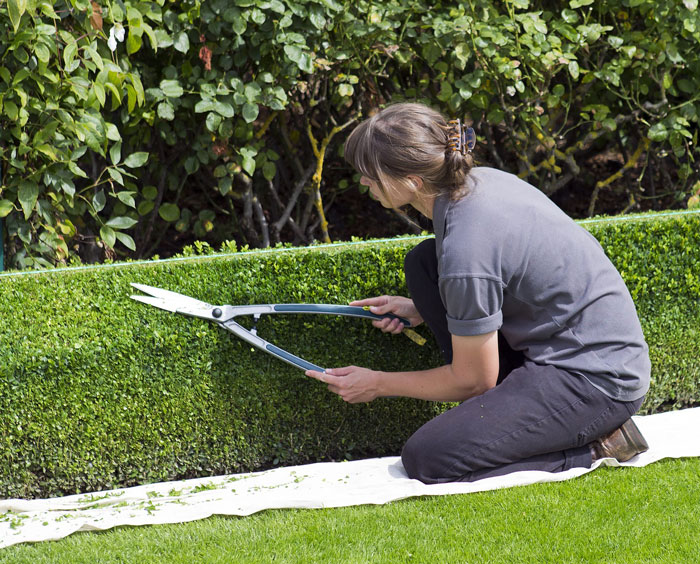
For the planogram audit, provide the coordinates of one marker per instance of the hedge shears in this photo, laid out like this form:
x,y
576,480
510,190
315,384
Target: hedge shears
x,y
225,316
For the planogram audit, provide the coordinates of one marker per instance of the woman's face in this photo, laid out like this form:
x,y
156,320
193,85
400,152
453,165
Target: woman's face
x,y
395,196
373,186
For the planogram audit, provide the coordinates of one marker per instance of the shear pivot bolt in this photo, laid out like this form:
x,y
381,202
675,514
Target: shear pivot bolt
x,y
217,312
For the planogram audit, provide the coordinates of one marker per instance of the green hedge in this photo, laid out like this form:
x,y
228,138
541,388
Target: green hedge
x,y
659,258
98,391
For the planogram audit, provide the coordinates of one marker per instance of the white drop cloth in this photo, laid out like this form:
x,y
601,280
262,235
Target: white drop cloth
x,y
328,484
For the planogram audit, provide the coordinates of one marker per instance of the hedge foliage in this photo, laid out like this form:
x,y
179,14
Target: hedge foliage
x,y
135,126
98,391
660,262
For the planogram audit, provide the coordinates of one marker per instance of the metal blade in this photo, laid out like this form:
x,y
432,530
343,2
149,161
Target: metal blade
x,y
172,301
156,302
165,294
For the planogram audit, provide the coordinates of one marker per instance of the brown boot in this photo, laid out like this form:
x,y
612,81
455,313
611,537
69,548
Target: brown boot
x,y
622,444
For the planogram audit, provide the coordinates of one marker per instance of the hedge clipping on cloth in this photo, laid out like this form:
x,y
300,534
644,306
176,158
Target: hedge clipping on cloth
x,y
98,392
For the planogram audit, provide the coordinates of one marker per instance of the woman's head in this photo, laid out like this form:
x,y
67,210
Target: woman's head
x,y
404,142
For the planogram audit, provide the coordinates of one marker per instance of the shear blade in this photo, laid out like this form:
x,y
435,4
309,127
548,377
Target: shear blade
x,y
156,302
170,301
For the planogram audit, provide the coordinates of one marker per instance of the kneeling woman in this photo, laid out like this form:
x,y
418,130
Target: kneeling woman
x,y
541,339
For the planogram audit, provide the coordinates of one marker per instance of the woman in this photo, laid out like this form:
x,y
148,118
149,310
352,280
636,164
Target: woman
x,y
541,339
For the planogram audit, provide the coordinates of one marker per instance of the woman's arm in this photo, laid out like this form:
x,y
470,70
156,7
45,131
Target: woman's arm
x,y
473,371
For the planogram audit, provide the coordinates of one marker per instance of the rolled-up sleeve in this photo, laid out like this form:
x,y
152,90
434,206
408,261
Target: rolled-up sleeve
x,y
473,304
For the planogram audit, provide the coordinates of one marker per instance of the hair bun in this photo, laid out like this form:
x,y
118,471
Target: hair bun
x,y
412,139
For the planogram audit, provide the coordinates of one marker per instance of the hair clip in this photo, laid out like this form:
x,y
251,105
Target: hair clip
x,y
461,138
454,140
468,139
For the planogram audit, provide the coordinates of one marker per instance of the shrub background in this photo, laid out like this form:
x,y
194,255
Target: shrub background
x,y
132,128
99,391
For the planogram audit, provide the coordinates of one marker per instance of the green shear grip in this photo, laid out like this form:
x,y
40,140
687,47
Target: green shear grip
x,y
350,311
292,359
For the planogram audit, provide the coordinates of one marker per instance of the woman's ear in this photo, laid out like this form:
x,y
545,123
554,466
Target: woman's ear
x,y
416,182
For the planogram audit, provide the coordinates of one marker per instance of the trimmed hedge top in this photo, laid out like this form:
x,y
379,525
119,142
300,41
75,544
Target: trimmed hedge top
x,y
99,391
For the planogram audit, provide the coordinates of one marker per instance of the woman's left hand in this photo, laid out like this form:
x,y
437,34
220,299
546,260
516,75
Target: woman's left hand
x,y
352,383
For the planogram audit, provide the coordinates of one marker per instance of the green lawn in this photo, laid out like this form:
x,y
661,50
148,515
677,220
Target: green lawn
x,y
633,515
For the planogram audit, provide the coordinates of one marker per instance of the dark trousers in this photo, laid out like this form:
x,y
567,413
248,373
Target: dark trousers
x,y
537,417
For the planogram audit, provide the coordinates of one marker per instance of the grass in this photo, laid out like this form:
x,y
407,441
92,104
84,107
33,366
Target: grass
x,y
612,515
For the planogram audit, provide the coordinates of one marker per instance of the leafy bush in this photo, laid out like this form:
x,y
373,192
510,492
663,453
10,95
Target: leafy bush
x,y
136,127
98,391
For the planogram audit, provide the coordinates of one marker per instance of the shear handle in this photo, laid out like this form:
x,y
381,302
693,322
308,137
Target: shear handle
x,y
265,346
349,311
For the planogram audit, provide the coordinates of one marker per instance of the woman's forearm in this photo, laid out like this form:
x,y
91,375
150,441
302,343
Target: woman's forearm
x,y
436,384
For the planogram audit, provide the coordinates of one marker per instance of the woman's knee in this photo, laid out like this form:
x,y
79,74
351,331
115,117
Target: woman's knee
x,y
448,447
413,457
423,459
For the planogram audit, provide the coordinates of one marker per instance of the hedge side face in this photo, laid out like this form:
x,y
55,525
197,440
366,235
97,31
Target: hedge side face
x,y
99,391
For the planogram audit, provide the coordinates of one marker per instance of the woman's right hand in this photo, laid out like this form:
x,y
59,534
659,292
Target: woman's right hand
x,y
399,306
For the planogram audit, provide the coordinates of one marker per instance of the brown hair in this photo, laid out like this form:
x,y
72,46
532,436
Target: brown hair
x,y
409,139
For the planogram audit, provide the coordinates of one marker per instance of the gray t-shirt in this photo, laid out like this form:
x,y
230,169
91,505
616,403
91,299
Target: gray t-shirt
x,y
509,259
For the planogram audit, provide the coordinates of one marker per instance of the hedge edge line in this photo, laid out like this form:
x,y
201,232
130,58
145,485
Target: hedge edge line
x,y
596,220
